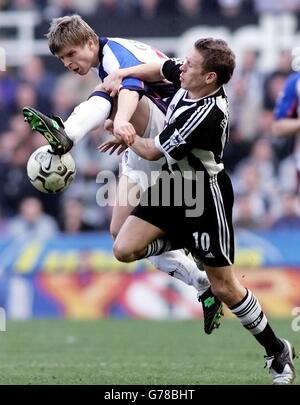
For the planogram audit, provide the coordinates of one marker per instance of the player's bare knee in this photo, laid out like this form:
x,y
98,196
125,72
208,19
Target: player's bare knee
x,y
122,252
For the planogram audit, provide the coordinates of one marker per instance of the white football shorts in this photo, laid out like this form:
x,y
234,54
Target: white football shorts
x,y
140,171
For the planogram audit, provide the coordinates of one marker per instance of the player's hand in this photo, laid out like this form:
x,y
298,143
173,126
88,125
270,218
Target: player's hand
x,y
109,126
112,145
112,83
124,130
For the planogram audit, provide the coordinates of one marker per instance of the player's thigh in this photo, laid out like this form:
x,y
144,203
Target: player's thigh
x,y
128,195
148,119
136,234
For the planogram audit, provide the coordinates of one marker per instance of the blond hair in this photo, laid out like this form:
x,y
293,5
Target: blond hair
x,y
69,30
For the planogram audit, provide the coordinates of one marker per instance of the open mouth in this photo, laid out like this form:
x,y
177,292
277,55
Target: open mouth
x,y
76,70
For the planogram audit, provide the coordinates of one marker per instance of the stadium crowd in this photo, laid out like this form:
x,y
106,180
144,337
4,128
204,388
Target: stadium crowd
x,y
151,8
261,167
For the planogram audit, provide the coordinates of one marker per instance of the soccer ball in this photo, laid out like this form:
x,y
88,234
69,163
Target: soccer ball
x,y
50,173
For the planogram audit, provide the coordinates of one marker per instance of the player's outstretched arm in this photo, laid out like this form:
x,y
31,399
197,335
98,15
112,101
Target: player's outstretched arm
x,y
145,148
147,72
127,104
286,127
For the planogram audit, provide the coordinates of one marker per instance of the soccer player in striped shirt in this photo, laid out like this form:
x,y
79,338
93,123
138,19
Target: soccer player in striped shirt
x,y
193,141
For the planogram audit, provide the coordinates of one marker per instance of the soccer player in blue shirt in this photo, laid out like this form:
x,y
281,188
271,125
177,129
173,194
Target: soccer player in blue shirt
x,y
287,116
140,107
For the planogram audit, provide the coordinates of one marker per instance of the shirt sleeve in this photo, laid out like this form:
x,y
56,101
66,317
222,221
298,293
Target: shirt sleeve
x,y
191,129
119,57
171,70
287,103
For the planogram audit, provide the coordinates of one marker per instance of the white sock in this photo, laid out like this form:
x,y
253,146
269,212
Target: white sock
x,y
87,116
177,264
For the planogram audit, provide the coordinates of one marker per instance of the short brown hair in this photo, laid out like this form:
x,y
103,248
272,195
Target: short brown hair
x,y
218,58
69,30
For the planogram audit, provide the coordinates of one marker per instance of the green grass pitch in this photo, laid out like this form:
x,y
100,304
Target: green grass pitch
x,y
133,352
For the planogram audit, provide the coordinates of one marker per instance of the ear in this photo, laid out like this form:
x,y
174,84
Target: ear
x,y
211,77
90,43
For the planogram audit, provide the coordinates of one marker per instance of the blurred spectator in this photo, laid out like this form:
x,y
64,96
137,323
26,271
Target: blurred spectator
x,y
189,8
58,8
32,222
245,94
290,213
21,131
62,102
230,8
25,5
268,6
237,149
8,88
25,95
111,9
275,80
3,4
250,189
276,6
14,183
284,62
148,9
33,72
248,212
261,157
73,217
76,88
273,85
287,174
8,143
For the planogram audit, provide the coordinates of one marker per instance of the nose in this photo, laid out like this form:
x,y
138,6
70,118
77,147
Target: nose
x,y
183,67
66,63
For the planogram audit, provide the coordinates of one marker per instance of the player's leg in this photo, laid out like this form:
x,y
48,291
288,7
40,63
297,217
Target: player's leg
x,y
87,116
216,248
144,173
135,238
128,192
175,263
242,303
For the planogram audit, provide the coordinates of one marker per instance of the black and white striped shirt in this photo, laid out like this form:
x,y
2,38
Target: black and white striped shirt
x,y
196,131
